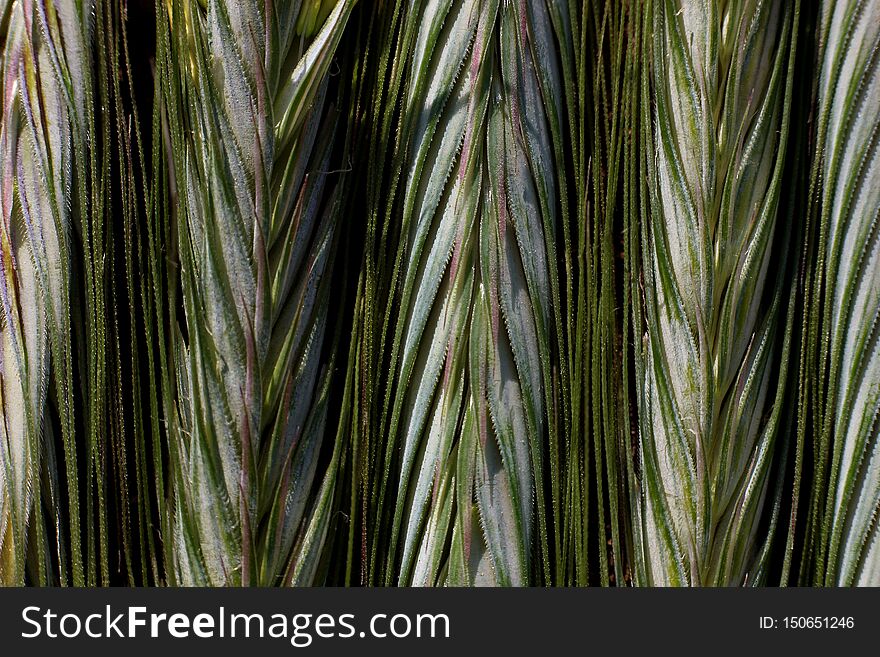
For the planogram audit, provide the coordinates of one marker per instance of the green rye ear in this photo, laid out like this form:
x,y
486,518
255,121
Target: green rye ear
x,y
253,137
469,410
843,373
712,363
47,169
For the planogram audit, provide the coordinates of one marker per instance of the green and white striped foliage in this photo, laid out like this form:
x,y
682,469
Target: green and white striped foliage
x,y
257,224
715,124
44,133
472,360
847,200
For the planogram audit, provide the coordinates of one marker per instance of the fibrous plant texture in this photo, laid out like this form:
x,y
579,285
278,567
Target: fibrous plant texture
x,y
46,175
468,410
439,292
844,377
712,370
253,135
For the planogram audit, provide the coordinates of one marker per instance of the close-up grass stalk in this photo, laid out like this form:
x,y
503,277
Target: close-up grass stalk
x,y
713,359
439,293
